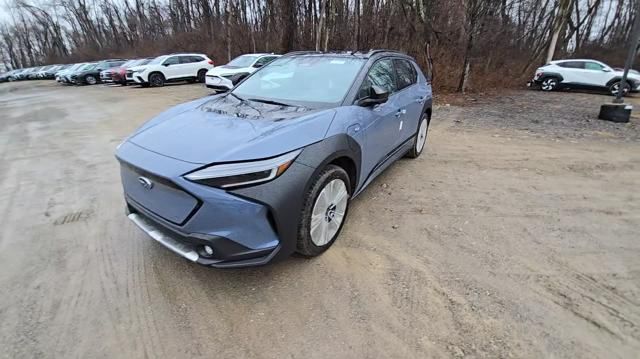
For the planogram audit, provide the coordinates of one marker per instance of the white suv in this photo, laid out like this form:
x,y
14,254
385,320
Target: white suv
x,y
585,74
171,68
226,76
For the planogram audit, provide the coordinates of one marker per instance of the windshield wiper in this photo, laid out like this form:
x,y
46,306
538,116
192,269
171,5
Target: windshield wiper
x,y
236,96
271,102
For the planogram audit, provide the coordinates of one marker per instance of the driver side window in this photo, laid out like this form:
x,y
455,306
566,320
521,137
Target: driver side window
x,y
380,74
174,60
593,66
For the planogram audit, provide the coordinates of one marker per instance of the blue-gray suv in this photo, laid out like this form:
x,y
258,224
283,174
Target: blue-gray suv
x,y
269,168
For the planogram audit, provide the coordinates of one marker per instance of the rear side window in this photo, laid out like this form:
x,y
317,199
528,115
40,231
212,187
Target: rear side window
x,y
190,59
405,72
381,74
572,64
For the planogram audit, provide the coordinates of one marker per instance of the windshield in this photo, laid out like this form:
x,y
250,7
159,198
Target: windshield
x,y
157,60
243,61
307,79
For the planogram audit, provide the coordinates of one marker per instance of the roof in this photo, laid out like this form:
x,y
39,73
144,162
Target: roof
x,y
359,54
565,60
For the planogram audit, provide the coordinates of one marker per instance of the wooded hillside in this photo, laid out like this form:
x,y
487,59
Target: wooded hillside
x,y
497,41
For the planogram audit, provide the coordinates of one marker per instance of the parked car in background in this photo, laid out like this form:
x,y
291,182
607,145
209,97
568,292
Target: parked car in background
x,y
51,72
62,75
583,74
90,75
171,68
118,74
9,75
270,167
226,76
39,74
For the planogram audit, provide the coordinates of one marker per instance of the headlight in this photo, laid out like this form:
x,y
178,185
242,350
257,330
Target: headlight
x,y
243,173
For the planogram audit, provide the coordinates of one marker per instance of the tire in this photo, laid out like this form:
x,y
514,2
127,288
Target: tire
x,y
324,211
615,88
156,80
549,84
201,75
420,141
90,80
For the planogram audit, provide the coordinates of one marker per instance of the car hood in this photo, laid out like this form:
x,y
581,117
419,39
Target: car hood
x,y
228,70
223,129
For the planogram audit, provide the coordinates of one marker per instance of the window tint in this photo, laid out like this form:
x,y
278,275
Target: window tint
x,y
406,73
173,60
195,58
572,64
380,74
593,66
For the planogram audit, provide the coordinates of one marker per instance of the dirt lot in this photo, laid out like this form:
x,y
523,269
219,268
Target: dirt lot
x,y
516,235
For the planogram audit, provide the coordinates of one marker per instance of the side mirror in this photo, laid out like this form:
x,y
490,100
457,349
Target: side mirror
x,y
377,95
257,65
606,69
166,65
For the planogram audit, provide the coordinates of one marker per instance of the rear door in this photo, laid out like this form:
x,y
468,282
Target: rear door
x,y
190,65
410,99
572,71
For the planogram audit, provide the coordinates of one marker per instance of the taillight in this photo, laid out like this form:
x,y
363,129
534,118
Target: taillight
x,y
210,62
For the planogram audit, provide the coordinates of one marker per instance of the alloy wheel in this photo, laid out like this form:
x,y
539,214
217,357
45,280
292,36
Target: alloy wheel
x,y
549,84
328,212
615,88
91,80
422,135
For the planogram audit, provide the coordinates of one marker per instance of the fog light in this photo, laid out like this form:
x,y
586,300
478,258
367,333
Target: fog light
x,y
208,250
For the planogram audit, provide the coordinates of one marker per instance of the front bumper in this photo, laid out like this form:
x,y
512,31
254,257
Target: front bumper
x,y
218,82
244,227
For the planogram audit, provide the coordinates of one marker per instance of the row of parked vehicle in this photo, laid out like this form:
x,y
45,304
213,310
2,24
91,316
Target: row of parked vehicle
x,y
149,71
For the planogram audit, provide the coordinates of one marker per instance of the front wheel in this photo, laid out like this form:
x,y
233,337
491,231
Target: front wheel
x,y
421,137
324,211
156,80
91,80
614,89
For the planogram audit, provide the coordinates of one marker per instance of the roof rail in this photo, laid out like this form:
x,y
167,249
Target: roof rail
x,y
376,51
303,52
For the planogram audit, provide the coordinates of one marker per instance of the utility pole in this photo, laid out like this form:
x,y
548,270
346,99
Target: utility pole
x,y
618,111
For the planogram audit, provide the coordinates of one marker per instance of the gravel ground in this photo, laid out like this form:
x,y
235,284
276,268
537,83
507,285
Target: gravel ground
x,y
514,235
554,115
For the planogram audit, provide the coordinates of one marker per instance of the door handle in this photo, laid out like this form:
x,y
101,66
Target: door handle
x,y
401,112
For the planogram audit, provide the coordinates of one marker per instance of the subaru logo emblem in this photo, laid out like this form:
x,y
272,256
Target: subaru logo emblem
x,y
145,182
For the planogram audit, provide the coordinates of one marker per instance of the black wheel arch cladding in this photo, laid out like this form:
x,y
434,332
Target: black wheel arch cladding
x,y
284,196
546,75
630,81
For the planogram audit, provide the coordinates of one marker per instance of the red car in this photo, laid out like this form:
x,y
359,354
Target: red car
x,y
118,74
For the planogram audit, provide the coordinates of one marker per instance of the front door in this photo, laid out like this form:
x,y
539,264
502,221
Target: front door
x,y
172,67
380,123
